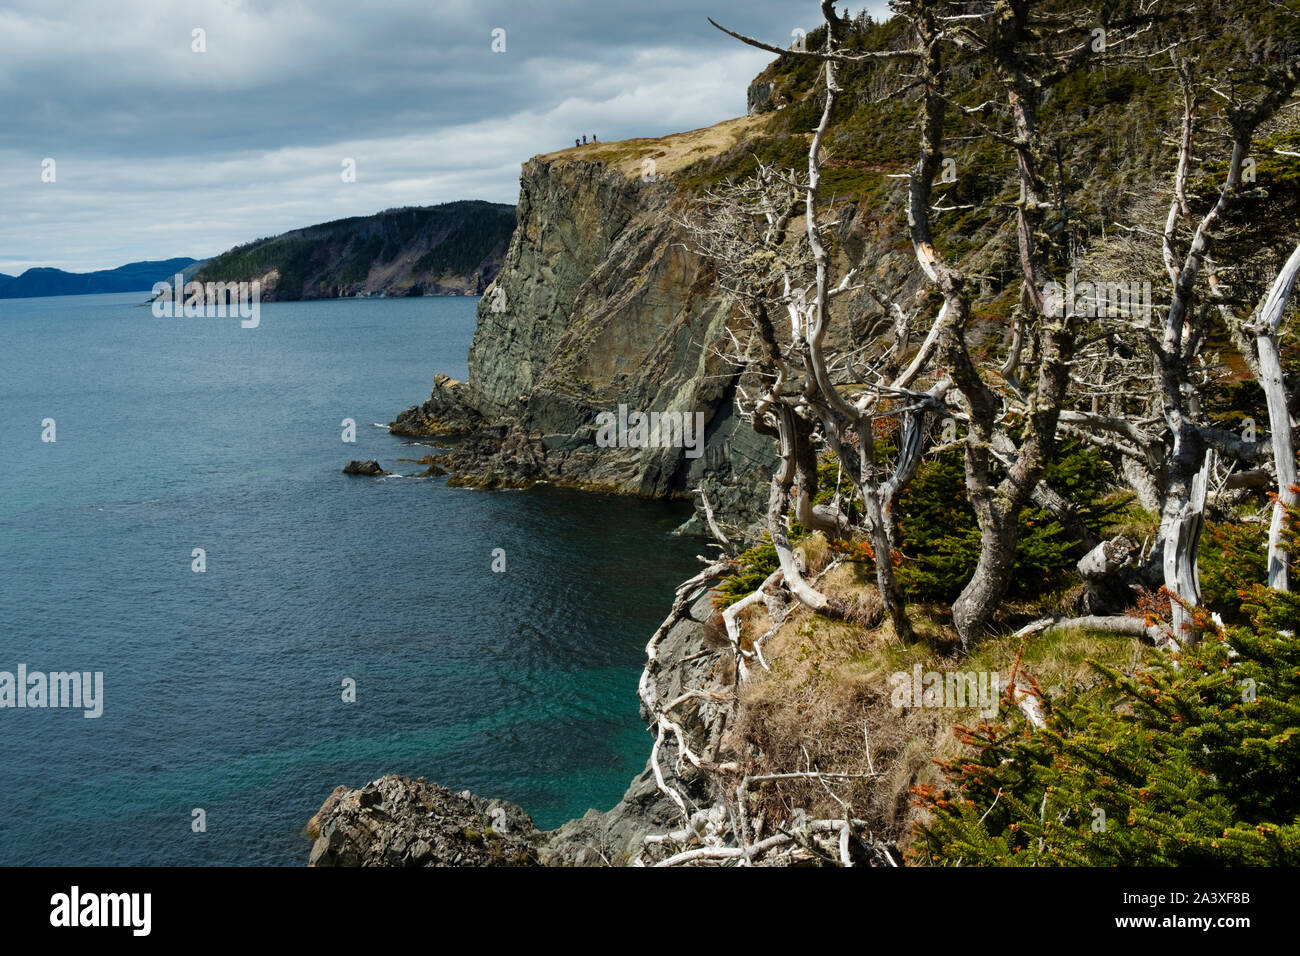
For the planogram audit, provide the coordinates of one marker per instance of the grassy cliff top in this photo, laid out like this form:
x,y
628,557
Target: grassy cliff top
x,y
669,153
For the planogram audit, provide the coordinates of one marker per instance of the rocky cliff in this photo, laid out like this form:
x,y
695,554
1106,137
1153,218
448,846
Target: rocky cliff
x,y
601,303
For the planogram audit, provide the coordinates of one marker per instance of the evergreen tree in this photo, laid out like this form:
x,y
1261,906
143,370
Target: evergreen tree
x,y
1191,761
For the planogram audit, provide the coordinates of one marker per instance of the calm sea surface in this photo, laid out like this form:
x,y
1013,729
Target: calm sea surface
x,y
223,689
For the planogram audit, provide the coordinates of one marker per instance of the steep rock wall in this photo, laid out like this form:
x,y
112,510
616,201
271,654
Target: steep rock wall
x,y
601,303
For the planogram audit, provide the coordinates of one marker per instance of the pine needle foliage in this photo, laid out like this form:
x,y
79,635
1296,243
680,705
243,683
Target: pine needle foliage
x,y
1189,761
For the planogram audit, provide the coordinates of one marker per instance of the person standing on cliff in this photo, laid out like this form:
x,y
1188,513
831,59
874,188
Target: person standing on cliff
x,y
584,139
575,142
593,137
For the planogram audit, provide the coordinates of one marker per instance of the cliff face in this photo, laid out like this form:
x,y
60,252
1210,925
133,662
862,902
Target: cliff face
x,y
600,304
570,216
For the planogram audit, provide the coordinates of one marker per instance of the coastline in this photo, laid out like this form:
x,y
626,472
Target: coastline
x,y
400,821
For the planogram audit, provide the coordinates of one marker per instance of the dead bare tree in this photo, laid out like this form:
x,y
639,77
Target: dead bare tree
x,y
1169,447
1265,325
1028,54
810,396
1184,492
1008,37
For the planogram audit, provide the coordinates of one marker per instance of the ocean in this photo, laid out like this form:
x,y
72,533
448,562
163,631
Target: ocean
x,y
224,689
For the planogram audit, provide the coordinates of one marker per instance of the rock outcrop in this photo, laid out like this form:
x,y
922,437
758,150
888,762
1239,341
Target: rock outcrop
x,y
600,304
395,821
762,96
368,469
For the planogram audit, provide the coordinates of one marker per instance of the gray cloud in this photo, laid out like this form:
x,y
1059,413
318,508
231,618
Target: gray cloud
x,y
162,151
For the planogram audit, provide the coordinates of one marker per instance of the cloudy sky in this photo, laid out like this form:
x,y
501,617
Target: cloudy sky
x,y
160,150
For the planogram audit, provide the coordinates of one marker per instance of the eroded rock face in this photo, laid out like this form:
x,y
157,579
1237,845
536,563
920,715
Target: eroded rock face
x,y
600,304
396,821
762,96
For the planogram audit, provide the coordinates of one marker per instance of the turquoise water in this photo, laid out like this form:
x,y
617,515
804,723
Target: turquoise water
x,y
223,689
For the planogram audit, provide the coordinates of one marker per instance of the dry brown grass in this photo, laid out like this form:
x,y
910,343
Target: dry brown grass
x,y
828,691
670,153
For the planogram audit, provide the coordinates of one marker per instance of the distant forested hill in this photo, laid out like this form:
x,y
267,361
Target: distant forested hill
x,y
455,248
132,277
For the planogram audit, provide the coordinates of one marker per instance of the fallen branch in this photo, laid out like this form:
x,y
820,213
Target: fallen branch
x,y
731,618
727,546
1110,624
1024,693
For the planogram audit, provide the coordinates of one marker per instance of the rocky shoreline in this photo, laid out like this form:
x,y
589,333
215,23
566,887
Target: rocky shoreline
x,y
397,821
600,303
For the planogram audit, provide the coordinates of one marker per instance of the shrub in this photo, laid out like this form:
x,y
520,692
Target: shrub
x,y
1191,761
1233,558
755,565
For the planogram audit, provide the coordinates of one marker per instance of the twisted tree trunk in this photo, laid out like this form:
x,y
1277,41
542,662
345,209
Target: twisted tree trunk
x,y
1184,520
1271,380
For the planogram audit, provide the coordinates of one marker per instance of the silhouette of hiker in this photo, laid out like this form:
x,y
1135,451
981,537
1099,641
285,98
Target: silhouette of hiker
x,y
584,139
575,142
593,137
